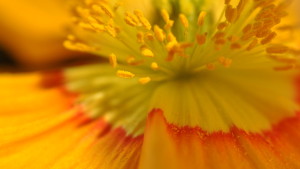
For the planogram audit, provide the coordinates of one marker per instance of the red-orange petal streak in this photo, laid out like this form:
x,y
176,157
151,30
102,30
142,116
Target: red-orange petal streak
x,y
169,146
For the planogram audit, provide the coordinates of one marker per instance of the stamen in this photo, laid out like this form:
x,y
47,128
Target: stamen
x,y
113,60
142,19
277,49
184,21
107,10
201,18
140,37
269,38
222,25
159,33
165,15
131,19
154,66
125,74
144,80
226,62
210,66
201,39
146,52
169,25
231,14
252,45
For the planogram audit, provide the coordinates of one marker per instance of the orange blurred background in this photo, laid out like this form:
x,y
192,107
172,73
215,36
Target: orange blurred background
x,y
32,33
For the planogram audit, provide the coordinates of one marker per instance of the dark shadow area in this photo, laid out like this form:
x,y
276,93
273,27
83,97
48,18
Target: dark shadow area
x,y
5,58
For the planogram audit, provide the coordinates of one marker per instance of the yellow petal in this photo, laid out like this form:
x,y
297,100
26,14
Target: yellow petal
x,y
41,128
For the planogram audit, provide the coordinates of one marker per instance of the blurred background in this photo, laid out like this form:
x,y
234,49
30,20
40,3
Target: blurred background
x,y
32,33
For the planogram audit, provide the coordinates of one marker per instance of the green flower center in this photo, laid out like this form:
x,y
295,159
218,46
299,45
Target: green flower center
x,y
201,71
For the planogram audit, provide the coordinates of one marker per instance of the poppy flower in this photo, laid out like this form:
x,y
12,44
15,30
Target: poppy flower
x,y
200,86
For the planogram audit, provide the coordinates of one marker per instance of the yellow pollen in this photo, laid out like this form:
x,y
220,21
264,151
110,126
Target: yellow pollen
x,y
201,18
125,74
172,45
154,66
144,80
130,59
131,19
139,14
149,36
113,60
78,46
146,52
159,33
87,26
110,29
107,10
171,37
184,21
165,15
140,37
169,25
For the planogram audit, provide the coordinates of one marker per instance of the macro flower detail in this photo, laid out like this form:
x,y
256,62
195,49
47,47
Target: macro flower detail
x,y
196,84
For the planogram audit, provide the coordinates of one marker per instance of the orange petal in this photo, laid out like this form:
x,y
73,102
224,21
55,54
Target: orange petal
x,y
169,146
41,128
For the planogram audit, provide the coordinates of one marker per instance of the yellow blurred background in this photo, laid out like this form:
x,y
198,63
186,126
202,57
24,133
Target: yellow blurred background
x,y
32,32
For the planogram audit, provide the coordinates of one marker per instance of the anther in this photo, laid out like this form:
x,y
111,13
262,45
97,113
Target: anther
x,y
154,66
131,19
144,80
165,15
222,25
159,33
144,21
269,38
277,49
146,52
140,37
231,14
184,21
125,74
201,18
252,45
107,10
201,39
113,60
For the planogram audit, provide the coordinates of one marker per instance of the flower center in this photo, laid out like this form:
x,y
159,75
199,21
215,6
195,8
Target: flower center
x,y
201,70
